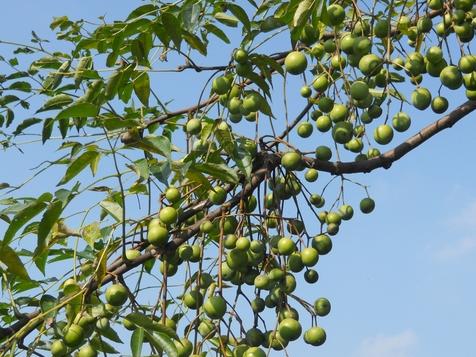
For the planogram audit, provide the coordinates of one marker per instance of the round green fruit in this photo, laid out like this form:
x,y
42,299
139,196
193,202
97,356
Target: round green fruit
x,y
184,347
322,243
193,299
87,351
291,160
336,14
309,256
172,194
305,91
221,85
323,153
73,336
58,348
370,64
421,98
194,126
315,336
359,90
286,246
311,175
342,132
401,122
254,352
339,113
346,212
322,306
217,196
254,337
240,56
311,276
295,62
116,295
323,123
290,329
451,77
439,104
168,215
215,307
304,130
367,205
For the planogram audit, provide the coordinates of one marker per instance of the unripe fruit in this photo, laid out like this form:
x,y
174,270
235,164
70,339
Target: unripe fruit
x,y
193,299
322,243
184,347
451,77
338,113
87,351
311,276
172,194
242,243
311,175
401,122
336,14
342,132
320,83
421,98
254,352
286,246
290,329
315,336
304,130
217,196
439,105
240,56
323,153
73,336
168,215
323,123
291,160
221,85
254,337
370,64
305,91
194,126
215,307
322,306
367,205
309,256
58,348
346,212
295,62
116,294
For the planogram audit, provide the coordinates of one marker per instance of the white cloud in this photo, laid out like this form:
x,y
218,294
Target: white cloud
x,y
398,345
456,250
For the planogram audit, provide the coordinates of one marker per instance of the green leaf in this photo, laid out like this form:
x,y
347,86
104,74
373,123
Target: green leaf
x,y
78,165
227,20
224,137
13,262
145,322
79,110
56,102
240,14
142,87
302,12
51,215
47,129
195,42
217,32
91,233
155,144
21,218
113,208
21,86
197,177
218,171
163,343
111,334
48,302
25,124
173,28
100,345
137,340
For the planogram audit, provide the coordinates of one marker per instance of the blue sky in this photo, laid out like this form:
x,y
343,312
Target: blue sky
x,y
401,280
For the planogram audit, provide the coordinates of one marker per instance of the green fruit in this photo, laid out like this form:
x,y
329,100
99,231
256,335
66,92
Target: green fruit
x,y
240,56
291,160
217,196
215,307
383,134
252,102
254,352
322,243
58,348
467,64
193,299
325,104
309,35
362,46
290,329
451,77
333,217
323,123
116,294
346,212
185,252
354,145
254,337
370,64
323,153
295,62
320,83
330,46
221,85
257,305
359,90
424,24
367,205
421,98
322,307
87,351
315,336
194,126
262,282
309,256
381,28
286,246
311,276
184,347
339,113
243,243
305,91
439,104
295,263
347,43
435,4
237,260
318,50
342,132
304,130
172,194
73,336
311,175
401,122
206,328
132,254
336,14
168,215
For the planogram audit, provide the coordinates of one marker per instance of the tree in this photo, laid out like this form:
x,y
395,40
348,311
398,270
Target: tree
x,y
188,202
